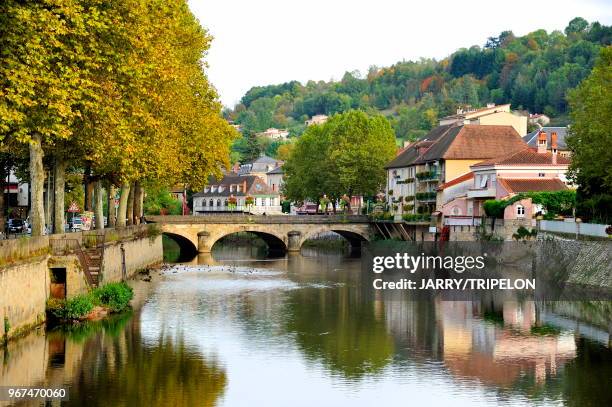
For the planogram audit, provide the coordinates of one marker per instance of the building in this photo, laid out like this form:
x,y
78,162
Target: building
x,y
559,132
490,115
441,156
218,195
528,170
274,134
16,197
317,119
259,167
538,119
275,179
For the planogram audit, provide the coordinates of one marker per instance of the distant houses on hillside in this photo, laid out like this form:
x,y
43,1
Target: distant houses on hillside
x,y
274,134
316,119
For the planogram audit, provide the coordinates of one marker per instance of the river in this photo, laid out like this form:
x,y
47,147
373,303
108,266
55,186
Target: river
x,y
233,329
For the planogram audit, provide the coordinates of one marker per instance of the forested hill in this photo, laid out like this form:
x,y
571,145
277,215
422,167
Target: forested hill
x,y
532,72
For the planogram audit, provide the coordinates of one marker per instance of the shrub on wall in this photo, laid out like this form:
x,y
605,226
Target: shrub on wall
x,y
73,309
115,296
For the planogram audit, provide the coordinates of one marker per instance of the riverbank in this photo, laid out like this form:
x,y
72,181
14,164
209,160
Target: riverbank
x,y
96,304
66,266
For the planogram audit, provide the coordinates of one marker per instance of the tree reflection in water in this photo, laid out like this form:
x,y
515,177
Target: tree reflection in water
x,y
123,369
339,329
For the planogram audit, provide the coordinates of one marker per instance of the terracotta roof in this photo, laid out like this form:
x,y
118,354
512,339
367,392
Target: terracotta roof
x,y
516,185
254,186
527,156
458,180
473,142
410,154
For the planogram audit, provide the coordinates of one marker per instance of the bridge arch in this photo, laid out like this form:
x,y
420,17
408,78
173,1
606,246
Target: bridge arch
x,y
276,245
187,250
354,237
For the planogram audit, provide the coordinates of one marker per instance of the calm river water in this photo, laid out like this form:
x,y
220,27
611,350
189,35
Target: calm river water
x,y
229,330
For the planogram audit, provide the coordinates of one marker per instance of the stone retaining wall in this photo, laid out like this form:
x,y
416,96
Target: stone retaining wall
x,y
138,253
24,289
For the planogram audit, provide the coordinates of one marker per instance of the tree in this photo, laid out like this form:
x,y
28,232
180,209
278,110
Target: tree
x,y
577,25
591,135
252,149
43,77
284,151
346,155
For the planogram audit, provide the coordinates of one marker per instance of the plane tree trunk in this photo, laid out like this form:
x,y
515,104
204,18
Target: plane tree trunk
x,y
99,205
59,183
130,206
111,206
37,183
138,201
123,204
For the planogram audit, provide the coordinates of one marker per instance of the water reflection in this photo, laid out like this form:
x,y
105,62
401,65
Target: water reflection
x,y
305,330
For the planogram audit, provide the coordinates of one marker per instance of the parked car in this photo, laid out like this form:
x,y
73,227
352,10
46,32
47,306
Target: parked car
x,y
307,209
76,224
16,226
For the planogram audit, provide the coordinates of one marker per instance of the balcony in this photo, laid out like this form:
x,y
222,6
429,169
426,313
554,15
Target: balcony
x,y
428,176
481,193
426,196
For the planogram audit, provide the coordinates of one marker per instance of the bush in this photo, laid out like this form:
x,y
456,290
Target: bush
x,y
495,208
72,309
115,296
523,233
415,217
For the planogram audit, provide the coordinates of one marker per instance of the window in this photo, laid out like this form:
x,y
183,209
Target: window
x,y
456,211
218,202
225,203
483,181
203,202
221,188
207,189
211,203
520,211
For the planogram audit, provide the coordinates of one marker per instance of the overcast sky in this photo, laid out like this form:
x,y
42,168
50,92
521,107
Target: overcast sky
x,y
262,42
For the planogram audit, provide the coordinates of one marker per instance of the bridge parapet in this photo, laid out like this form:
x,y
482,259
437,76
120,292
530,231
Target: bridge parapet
x,y
258,219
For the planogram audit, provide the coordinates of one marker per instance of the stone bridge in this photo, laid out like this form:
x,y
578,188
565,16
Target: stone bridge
x,y
281,232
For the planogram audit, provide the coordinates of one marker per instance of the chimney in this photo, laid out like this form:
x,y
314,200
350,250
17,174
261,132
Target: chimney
x,y
553,146
542,142
244,186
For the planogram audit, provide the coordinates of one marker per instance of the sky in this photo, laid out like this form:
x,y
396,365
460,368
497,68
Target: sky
x,y
263,42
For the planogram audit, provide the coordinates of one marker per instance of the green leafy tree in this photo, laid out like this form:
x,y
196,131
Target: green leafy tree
x,y
346,155
591,138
